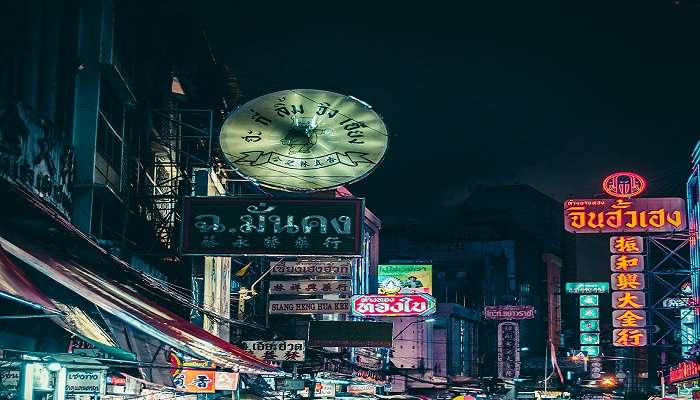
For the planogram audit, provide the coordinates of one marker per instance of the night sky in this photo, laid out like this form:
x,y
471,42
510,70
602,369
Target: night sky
x,y
552,94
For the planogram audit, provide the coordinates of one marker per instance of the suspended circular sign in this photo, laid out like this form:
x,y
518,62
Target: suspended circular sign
x,y
304,140
624,184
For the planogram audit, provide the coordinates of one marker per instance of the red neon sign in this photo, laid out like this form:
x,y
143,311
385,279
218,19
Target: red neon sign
x,y
624,184
684,371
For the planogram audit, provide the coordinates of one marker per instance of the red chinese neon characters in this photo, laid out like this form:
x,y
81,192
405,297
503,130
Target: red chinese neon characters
x,y
629,319
628,300
629,337
626,263
621,215
627,281
624,184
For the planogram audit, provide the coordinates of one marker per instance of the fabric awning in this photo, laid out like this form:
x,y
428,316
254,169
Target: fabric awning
x,y
15,286
126,304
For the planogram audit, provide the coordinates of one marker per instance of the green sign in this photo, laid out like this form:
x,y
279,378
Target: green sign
x,y
589,338
587,287
591,351
394,279
264,226
589,313
588,300
590,325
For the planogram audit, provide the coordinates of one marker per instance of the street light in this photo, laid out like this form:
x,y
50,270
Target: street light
x,y
429,320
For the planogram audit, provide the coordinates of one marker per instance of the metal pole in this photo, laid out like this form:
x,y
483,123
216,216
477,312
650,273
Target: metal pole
x,y
546,353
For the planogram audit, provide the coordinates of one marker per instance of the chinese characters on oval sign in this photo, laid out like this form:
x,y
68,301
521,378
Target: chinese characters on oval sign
x,y
625,215
401,305
251,226
624,184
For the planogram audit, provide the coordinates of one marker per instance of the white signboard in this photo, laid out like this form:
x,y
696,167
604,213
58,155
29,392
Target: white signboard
x,y
322,390
312,268
309,306
280,350
318,286
85,382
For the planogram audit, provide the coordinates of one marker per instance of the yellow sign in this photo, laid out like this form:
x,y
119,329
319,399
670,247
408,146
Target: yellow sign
x,y
304,140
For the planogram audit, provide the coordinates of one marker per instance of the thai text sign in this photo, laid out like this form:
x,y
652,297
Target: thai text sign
x,y
394,279
629,337
509,312
629,319
626,263
292,227
628,300
362,389
312,268
280,350
400,305
627,281
320,286
87,381
308,306
626,244
587,287
678,302
625,215
684,371
508,350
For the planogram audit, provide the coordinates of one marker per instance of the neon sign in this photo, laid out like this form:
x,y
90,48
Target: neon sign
x,y
624,184
683,371
620,215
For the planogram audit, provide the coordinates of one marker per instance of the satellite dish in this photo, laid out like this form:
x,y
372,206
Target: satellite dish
x,y
304,140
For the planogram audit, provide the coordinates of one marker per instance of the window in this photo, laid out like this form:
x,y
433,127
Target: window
x,y
110,127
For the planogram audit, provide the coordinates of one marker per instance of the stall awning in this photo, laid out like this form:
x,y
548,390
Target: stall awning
x,y
125,303
15,286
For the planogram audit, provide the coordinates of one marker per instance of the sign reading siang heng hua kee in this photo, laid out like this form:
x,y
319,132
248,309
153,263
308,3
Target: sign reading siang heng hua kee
x,y
280,227
625,215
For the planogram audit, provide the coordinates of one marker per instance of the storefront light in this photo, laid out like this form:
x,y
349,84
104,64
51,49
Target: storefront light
x,y
54,367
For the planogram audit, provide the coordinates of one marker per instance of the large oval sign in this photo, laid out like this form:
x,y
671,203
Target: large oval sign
x,y
624,184
304,140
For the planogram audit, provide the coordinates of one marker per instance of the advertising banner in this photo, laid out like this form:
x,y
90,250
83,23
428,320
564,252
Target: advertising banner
x,y
280,227
226,380
312,268
589,325
319,286
589,313
400,305
629,318
588,300
628,300
508,350
405,279
302,306
626,263
280,350
666,214
362,389
627,281
509,312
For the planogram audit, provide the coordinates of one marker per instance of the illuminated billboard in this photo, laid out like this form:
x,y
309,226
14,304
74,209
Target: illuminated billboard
x,y
405,279
666,214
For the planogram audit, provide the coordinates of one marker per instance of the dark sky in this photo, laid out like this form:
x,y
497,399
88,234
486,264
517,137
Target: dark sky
x,y
552,94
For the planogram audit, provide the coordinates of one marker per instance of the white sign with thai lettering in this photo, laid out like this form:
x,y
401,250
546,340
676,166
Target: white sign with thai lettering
x,y
85,381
